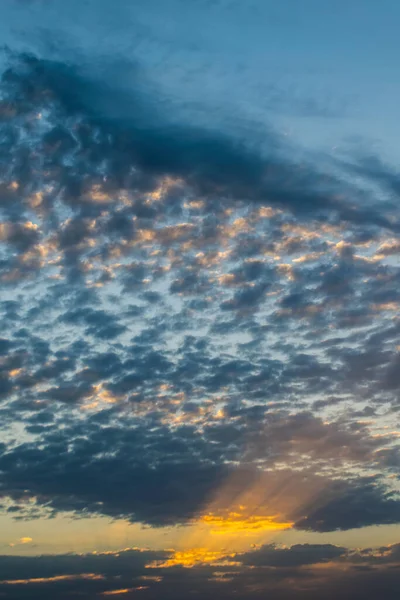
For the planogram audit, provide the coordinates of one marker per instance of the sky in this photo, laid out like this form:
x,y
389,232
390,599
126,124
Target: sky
x,y
199,275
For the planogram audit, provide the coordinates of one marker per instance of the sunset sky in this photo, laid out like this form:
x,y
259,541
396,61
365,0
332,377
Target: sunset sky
x,y
199,296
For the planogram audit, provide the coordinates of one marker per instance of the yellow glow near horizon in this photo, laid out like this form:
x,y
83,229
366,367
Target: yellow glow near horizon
x,y
196,556
203,544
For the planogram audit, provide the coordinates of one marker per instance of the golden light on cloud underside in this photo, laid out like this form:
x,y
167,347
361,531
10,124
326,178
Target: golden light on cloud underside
x,y
204,542
125,591
236,519
88,576
165,185
196,556
99,398
237,522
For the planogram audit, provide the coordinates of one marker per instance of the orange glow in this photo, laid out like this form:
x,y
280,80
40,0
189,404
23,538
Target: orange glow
x,y
14,372
145,235
166,184
125,591
98,195
90,576
35,200
99,397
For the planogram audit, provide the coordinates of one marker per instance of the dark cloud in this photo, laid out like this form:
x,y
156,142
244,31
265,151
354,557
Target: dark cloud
x,y
109,473
361,503
295,556
129,124
287,574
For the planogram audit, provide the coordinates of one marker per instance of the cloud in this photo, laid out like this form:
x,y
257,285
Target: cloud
x,y
362,503
287,573
23,540
296,556
189,309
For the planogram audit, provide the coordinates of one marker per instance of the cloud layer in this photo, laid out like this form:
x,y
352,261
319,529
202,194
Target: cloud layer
x,y
301,571
188,320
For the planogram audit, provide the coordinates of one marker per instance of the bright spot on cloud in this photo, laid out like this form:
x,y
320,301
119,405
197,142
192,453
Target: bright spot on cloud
x,y
124,591
21,541
196,556
236,522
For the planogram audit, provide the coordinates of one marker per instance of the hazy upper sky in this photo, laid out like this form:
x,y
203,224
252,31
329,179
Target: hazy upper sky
x,y
199,271
325,72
